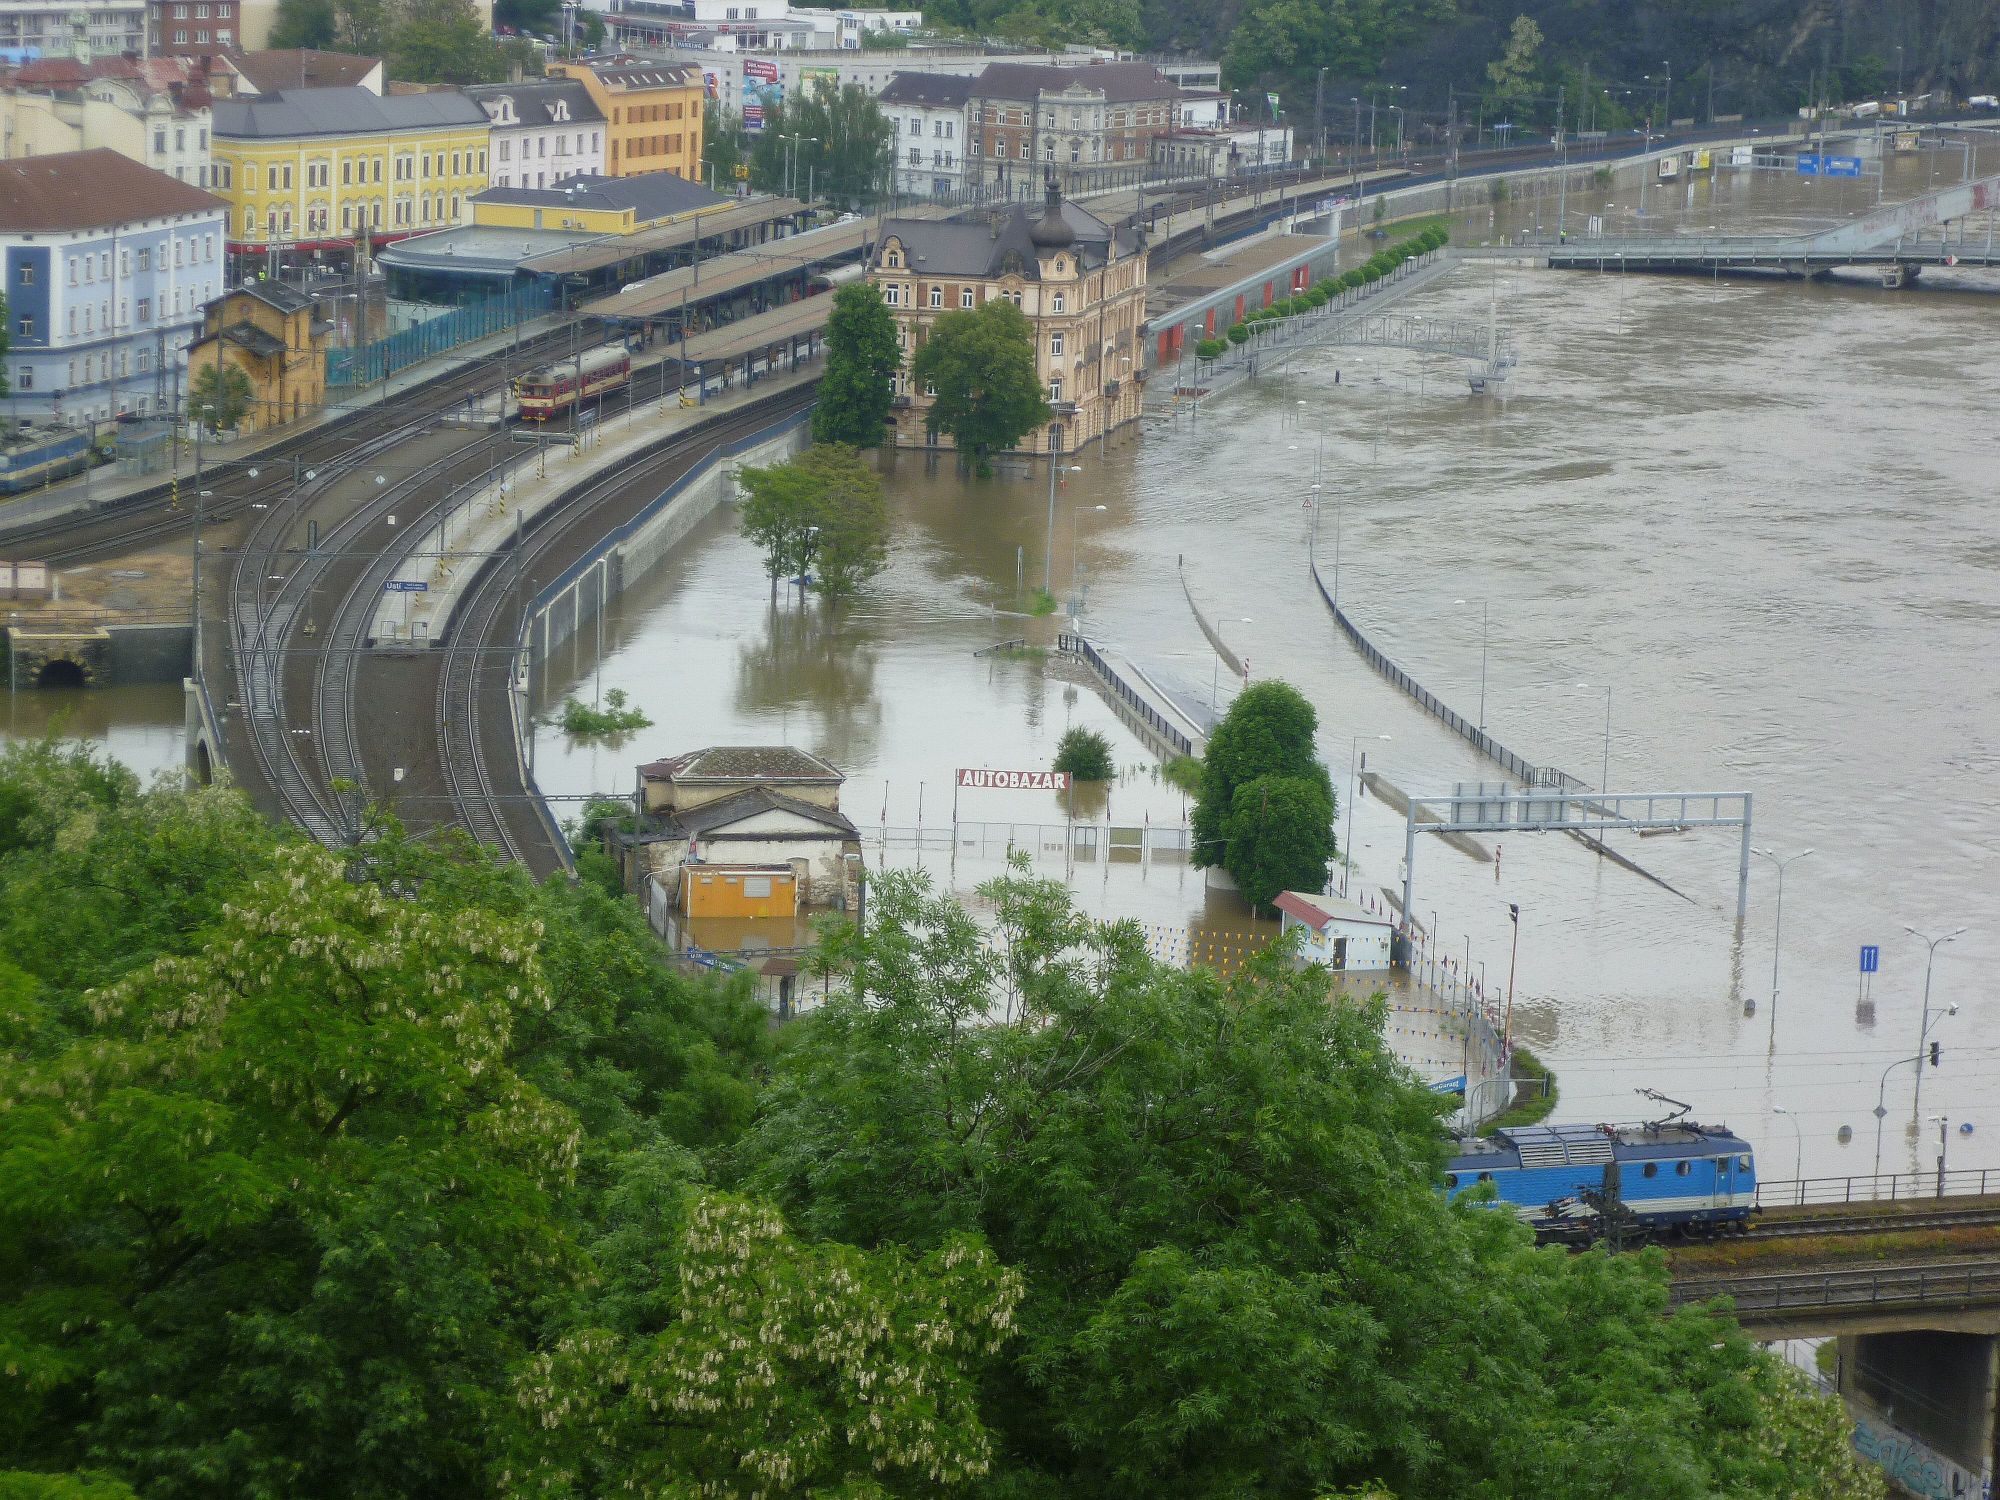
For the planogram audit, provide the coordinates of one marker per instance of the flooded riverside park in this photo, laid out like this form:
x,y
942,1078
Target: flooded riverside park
x,y
1750,519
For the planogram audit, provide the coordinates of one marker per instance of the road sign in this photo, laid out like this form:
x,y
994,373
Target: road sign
x,y
405,586
1808,164
1871,958
1841,166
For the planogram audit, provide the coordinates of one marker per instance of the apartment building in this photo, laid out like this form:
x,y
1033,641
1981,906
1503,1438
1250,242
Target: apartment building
x,y
1081,284
928,113
652,113
544,132
308,171
154,111
107,265
1092,125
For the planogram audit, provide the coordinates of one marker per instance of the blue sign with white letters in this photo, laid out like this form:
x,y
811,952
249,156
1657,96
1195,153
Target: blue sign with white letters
x,y
1812,164
1871,958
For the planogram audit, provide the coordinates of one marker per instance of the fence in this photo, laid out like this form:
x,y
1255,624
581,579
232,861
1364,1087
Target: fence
x,y
476,320
1084,842
1522,769
1883,1187
1150,717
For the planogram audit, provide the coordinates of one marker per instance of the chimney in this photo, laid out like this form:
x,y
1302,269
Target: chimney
x,y
994,221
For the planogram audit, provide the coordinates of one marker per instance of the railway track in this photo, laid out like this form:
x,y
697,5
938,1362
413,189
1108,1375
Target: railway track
x,y
235,485
1818,1226
489,618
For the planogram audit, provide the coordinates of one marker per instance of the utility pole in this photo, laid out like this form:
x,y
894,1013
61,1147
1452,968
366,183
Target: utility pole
x,y
1319,117
1917,1096
1451,147
1514,916
1562,194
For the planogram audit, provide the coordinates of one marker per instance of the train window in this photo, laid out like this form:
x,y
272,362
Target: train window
x,y
1485,1176
1742,1163
1680,1169
1652,1169
1451,1179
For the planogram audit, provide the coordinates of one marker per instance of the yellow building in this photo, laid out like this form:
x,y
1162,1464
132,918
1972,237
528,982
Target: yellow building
x,y
597,205
274,335
312,170
652,113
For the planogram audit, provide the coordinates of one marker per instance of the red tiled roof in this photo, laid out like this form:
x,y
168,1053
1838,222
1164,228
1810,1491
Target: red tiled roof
x,y
89,190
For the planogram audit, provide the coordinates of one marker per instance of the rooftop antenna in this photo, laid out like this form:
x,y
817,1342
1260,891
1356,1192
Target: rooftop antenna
x,y
1659,1098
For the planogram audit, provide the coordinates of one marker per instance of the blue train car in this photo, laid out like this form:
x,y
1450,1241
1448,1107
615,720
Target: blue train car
x,y
38,456
1562,1179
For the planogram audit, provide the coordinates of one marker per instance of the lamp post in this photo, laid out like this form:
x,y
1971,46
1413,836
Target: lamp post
x,y
1778,931
1507,1030
1347,843
1943,1137
1049,540
1484,638
1799,1149
1916,1097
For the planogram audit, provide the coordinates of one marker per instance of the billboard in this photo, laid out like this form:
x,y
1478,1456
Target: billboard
x,y
1015,781
762,89
812,78
711,82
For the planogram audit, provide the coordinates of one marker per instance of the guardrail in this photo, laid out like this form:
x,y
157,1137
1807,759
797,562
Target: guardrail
x,y
1888,1288
1885,1187
1076,645
1521,768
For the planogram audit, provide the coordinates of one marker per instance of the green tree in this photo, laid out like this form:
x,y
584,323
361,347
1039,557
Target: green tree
x,y
444,41
841,150
312,24
982,365
721,148
823,511
219,395
1268,732
1085,754
1510,74
733,1359
1279,837
862,358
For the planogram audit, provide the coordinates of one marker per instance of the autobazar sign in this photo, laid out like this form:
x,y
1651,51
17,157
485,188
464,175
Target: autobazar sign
x,y
1016,781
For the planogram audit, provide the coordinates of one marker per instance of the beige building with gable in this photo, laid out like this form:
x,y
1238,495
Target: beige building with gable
x,y
1081,283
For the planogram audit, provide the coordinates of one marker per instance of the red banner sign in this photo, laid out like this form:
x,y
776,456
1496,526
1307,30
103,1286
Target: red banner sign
x,y
1016,781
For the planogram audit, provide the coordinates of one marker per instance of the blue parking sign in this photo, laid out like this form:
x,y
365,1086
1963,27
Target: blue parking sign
x,y
1871,958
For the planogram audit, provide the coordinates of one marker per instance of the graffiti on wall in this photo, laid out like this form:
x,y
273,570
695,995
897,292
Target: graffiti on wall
x,y
1914,1468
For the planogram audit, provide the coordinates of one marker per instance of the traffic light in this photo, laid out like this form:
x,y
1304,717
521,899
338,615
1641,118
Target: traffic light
x,y
1934,1054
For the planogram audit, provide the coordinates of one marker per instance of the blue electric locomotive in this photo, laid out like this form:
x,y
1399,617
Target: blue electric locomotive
x,y
1571,1181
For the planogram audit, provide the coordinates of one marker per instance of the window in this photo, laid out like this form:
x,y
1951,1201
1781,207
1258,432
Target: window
x,y
72,372
347,171
506,147
893,295
1451,1179
1652,1169
144,362
180,138
1742,1163
72,321
1680,1169
1055,388
1060,300
146,259
1055,345
1485,1176
937,296
1024,151
27,275
145,309
929,389
24,378
160,142
208,247
965,296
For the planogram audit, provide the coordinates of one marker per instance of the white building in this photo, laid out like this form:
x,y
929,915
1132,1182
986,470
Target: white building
x,y
1222,150
544,132
928,113
1339,933
156,112
80,29
107,266
786,71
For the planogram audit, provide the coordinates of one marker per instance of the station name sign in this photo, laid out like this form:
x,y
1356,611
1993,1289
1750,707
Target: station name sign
x,y
1015,781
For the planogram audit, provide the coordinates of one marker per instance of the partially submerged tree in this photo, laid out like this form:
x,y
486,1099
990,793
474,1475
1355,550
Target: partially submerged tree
x,y
982,366
861,363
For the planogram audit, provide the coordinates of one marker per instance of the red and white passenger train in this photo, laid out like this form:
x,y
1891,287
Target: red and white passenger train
x,y
553,389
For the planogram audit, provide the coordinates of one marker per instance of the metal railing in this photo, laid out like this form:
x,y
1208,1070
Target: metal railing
x,y
1889,1287
1076,645
1515,765
1884,1187
381,358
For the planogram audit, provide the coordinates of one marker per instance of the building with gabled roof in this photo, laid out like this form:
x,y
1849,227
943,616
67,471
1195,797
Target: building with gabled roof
x,y
1092,124
1080,283
545,131
652,112
928,113
1342,934
274,334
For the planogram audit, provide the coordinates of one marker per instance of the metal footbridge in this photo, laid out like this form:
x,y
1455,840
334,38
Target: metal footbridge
x,y
1492,354
1900,238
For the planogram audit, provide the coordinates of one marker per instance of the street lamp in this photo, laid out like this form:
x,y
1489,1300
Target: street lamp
x,y
1049,541
1484,619
1941,1122
1799,1151
1347,844
1917,1095
1778,931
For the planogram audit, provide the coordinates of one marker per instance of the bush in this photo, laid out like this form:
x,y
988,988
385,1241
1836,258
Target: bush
x,y
1210,348
1536,1107
1371,272
614,718
1184,772
1085,754
1318,296
1351,279
1239,334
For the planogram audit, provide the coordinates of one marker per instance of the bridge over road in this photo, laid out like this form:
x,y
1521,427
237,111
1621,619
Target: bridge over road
x,y
1901,238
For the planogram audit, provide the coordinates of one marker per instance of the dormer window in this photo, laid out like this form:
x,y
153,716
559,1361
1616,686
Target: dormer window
x,y
894,260
560,110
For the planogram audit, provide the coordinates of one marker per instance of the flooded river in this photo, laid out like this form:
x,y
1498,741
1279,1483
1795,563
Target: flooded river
x,y
1758,514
